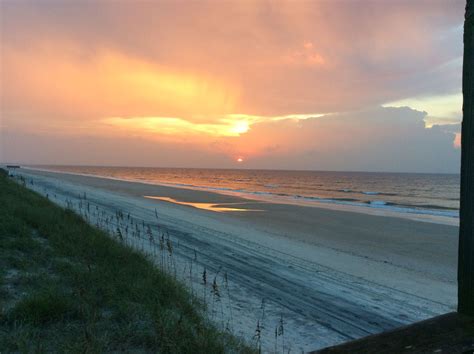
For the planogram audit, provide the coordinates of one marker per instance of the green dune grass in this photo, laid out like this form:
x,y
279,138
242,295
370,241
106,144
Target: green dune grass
x,y
65,286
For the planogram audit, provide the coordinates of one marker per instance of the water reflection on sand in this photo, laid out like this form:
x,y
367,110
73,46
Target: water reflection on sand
x,y
217,207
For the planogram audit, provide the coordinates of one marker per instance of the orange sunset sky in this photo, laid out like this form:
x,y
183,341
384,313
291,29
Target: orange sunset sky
x,y
325,85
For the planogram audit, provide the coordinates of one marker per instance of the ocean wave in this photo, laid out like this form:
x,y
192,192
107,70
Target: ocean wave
x,y
348,190
428,209
378,202
419,211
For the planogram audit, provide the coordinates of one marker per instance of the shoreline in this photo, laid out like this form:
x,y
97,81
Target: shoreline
x,y
334,275
373,208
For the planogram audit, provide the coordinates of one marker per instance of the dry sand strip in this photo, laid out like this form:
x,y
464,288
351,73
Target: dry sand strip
x,y
300,261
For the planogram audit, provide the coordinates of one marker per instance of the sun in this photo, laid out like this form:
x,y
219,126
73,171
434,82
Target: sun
x,y
240,159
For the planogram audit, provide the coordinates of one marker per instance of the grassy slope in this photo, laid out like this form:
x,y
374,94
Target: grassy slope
x,y
66,286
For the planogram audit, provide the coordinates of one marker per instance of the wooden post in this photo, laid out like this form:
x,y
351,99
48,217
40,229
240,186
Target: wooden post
x,y
466,227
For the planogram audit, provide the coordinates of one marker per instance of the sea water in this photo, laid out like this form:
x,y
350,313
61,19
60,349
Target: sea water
x,y
431,194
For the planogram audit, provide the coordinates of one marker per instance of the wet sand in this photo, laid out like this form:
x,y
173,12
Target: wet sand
x,y
333,274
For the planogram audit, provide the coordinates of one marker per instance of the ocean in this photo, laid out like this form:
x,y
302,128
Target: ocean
x,y
430,194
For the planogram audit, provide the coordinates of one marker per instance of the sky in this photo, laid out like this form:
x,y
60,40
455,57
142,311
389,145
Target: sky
x,y
314,85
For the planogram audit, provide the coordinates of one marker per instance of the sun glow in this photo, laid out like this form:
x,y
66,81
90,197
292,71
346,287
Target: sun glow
x,y
230,125
126,85
240,127
178,126
240,159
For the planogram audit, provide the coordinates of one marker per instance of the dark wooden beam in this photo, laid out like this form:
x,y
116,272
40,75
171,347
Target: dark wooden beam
x,y
466,227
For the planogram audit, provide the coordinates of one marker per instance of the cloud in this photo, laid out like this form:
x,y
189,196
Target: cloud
x,y
279,57
377,139
215,80
56,86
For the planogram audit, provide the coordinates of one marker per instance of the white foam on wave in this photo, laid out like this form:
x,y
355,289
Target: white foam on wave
x,y
378,202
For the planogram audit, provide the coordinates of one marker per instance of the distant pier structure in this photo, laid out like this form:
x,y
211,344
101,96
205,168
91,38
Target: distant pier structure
x,y
8,168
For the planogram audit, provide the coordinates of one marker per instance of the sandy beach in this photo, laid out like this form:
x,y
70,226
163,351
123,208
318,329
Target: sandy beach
x,y
329,275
